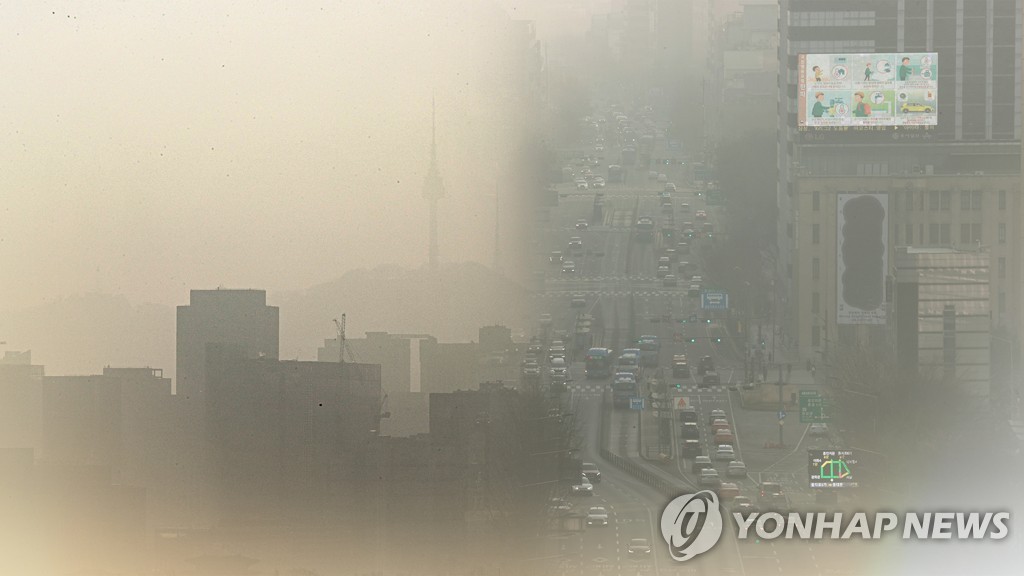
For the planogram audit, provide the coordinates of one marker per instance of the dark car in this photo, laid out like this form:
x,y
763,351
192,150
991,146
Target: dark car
x,y
690,449
709,379
707,364
689,431
688,414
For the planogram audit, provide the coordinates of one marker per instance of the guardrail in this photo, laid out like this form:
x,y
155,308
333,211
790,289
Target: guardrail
x,y
634,469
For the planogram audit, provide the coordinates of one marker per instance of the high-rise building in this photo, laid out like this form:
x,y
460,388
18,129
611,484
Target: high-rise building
x,y
941,317
238,318
952,183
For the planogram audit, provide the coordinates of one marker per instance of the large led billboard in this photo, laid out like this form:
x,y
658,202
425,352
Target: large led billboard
x,y
862,246
867,90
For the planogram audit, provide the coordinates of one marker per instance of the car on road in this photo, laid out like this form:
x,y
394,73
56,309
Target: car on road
x,y
719,424
725,452
597,516
689,233
700,215
707,364
688,414
690,448
743,505
818,429
724,437
598,182
716,414
736,469
709,379
662,178
683,247
700,463
625,378
684,207
638,548
669,281
681,369
709,477
581,184
693,291
770,492
591,472
578,301
728,490
582,224
662,271
531,371
555,257
559,506
584,488
689,431
670,187
697,279
569,267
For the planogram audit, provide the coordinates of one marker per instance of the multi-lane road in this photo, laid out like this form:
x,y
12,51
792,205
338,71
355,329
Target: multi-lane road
x,y
616,274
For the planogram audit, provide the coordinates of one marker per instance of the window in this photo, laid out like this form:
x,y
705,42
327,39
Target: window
x,y
815,201
965,233
1002,268
815,268
976,200
789,230
933,200
910,235
933,233
815,335
910,200
815,302
1002,199
965,200
896,235
946,200
1002,302
815,234
976,233
944,234
1002,232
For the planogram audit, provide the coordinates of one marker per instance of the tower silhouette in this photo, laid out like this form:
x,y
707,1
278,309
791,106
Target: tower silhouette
x,y
433,186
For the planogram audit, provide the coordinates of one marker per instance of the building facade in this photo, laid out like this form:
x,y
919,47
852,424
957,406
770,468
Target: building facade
x,y
954,185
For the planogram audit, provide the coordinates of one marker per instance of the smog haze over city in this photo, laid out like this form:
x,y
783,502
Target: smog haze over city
x,y
529,287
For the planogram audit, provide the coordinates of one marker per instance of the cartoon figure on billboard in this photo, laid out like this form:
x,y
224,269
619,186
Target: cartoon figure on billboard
x,y
905,70
867,72
819,108
861,109
817,73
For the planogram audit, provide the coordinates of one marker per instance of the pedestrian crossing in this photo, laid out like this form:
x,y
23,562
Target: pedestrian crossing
x,y
619,278
600,387
611,293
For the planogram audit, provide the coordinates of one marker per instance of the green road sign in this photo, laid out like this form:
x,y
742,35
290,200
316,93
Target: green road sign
x,y
813,408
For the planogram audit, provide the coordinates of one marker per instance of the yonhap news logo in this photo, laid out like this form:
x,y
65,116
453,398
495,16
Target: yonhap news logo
x,y
691,524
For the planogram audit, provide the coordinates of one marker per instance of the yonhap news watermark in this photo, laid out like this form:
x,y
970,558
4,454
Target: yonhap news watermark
x,y
693,523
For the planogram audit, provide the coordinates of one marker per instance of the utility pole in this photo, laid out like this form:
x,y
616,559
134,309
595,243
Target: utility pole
x,y
341,338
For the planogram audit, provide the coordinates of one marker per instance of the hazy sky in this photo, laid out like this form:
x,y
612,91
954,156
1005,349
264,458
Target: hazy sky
x,y
152,147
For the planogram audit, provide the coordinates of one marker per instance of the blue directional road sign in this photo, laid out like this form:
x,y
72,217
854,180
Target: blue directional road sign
x,y
782,414
714,300
636,403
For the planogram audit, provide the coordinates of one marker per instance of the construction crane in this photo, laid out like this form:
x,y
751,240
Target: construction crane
x,y
341,338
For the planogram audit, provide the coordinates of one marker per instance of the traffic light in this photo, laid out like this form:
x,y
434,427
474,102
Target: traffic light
x,y
693,340
863,221
707,320
718,340
679,385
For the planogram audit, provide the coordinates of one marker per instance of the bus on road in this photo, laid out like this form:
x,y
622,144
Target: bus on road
x,y
649,349
624,387
599,363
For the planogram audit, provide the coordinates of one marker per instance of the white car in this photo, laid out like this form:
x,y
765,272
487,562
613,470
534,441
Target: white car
x,y
569,267
638,547
598,182
725,452
736,469
597,516
582,185
582,224
584,488
709,477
